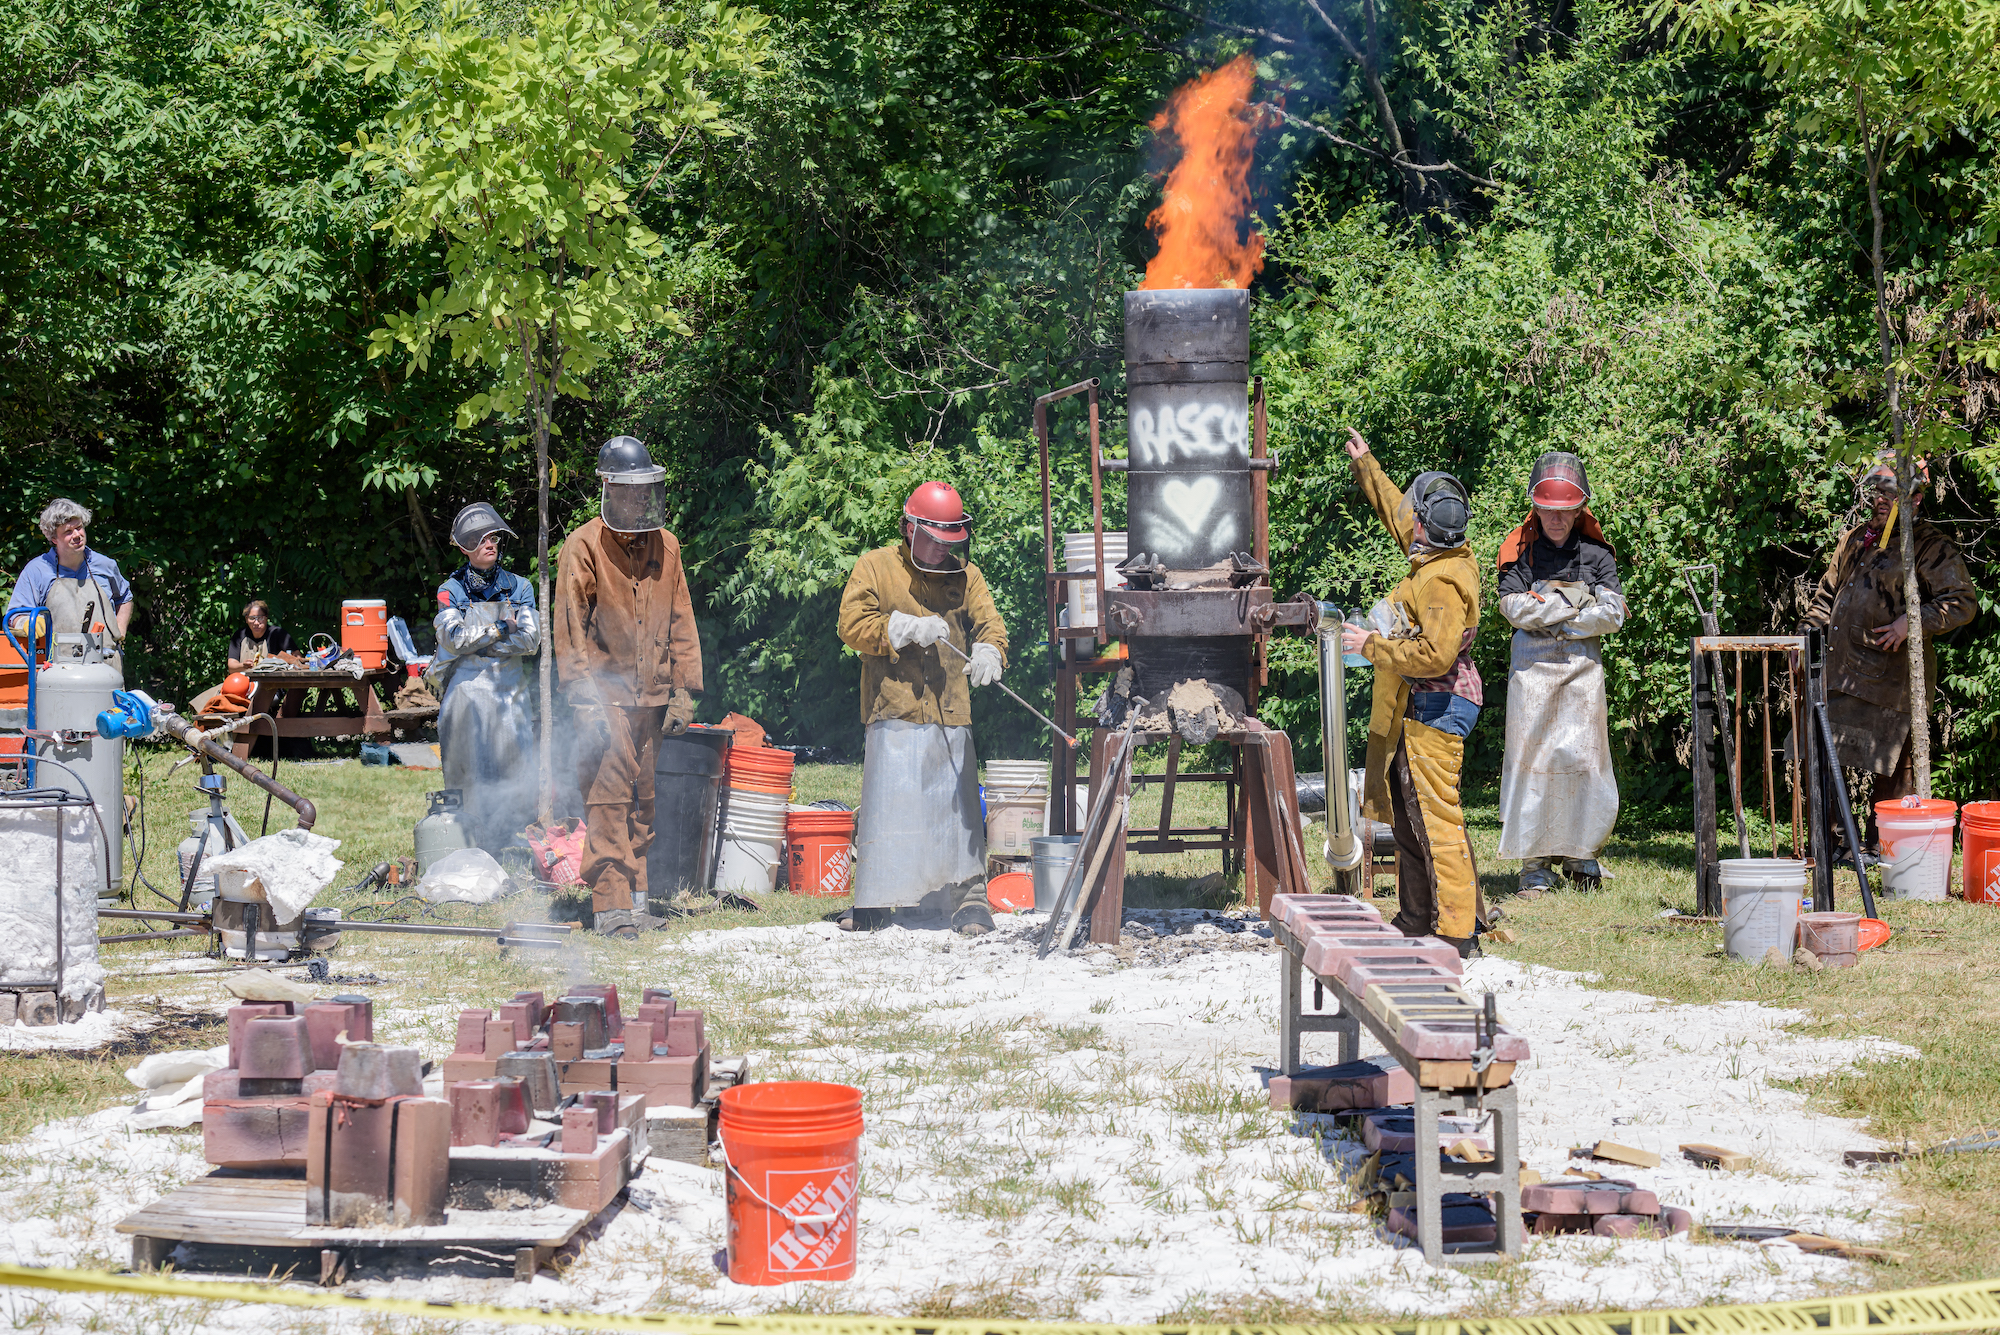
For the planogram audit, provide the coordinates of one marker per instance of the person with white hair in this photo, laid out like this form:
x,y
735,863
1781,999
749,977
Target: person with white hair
x,y
73,582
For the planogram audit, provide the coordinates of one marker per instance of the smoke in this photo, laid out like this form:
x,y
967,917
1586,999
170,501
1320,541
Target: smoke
x,y
1200,223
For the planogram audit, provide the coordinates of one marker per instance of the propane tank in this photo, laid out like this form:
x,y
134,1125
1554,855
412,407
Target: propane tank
x,y
69,694
442,829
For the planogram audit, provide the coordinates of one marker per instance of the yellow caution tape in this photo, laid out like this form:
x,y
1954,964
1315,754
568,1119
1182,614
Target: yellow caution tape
x,y
1949,1307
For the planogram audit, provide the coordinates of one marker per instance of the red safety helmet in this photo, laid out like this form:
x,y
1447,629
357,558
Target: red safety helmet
x,y
934,518
1558,482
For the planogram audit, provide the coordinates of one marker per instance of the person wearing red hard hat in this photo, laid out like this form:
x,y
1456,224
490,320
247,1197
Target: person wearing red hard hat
x,y
1560,591
920,840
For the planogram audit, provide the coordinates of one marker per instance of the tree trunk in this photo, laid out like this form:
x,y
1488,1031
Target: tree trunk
x,y
545,803
1906,473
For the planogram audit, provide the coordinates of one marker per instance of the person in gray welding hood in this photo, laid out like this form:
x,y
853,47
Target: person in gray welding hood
x,y
1559,589
487,631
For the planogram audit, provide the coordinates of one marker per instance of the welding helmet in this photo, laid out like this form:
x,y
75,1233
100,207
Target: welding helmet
x,y
1440,508
474,523
1558,482
635,488
938,528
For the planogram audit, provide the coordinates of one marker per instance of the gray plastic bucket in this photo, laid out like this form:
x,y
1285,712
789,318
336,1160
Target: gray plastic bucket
x,y
1052,855
1760,906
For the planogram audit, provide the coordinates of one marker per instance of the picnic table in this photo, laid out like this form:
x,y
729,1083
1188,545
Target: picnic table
x,y
344,705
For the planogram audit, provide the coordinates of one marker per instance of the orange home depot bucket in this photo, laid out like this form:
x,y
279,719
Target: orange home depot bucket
x,y
364,628
821,845
792,1154
1979,855
1011,891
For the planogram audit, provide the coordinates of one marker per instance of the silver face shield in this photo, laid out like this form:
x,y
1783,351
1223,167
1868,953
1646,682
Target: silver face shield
x,y
635,503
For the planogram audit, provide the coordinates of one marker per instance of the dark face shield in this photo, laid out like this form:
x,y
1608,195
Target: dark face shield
x,y
636,504
939,549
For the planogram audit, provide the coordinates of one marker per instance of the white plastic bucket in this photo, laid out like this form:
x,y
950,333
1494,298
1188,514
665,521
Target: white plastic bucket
x,y
749,862
1080,553
1760,906
1916,849
1016,781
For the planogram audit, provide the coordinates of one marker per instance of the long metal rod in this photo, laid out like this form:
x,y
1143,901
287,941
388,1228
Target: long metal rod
x,y
1067,911
1795,766
1764,718
149,936
188,735
1843,803
1017,699
1343,851
1738,762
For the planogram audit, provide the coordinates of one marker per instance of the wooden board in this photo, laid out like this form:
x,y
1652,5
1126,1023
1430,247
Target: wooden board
x,y
241,1211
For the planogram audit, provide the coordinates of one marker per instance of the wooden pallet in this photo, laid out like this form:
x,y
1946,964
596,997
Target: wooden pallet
x,y
237,1210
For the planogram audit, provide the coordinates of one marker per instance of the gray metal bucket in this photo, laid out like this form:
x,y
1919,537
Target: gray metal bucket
x,y
1053,855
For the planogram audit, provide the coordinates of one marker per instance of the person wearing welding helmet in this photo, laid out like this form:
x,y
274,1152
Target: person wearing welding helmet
x,y
920,840
1427,697
1559,589
488,631
630,661
1859,604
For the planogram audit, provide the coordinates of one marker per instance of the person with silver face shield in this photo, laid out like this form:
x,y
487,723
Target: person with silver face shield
x,y
488,631
630,660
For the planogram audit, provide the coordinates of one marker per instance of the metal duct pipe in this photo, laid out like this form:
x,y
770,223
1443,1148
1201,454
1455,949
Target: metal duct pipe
x,y
196,740
1343,849
1187,395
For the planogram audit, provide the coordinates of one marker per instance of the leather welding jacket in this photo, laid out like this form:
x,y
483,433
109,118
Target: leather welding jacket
x,y
916,684
1440,596
1863,589
623,617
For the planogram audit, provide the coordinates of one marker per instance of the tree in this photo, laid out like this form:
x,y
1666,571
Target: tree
x,y
514,146
1887,78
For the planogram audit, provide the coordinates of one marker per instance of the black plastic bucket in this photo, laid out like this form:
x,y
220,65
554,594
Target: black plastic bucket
x,y
687,787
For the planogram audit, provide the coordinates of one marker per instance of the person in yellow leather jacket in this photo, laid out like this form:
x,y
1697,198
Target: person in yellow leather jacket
x,y
1427,697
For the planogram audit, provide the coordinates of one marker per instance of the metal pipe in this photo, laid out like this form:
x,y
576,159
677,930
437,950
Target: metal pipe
x,y
1343,851
141,915
188,735
148,936
1770,792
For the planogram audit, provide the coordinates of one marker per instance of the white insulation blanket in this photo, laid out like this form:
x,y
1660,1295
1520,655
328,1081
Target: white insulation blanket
x,y
294,865
28,882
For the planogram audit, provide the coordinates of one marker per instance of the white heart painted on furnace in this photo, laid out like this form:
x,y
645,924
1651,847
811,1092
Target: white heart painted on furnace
x,y
1190,502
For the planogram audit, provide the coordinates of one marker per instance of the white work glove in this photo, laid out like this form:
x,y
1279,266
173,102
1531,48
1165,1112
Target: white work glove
x,y
1601,617
1536,613
906,630
984,667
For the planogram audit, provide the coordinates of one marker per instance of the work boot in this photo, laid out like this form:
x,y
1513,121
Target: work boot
x,y
615,923
974,914
1467,946
865,920
1584,874
1537,878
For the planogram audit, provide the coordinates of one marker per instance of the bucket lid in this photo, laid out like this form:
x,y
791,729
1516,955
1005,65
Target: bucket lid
x,y
1915,808
784,1105
1873,933
364,602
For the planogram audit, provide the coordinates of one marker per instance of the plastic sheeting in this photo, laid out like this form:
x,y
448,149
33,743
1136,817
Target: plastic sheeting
x,y
919,828
463,876
486,723
1558,793
28,887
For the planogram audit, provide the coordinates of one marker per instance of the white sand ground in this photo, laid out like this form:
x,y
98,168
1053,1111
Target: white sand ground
x,y
1088,1138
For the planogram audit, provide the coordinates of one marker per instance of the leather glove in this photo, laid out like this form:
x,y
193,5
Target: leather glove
x,y
1536,613
906,630
1603,616
984,666
680,713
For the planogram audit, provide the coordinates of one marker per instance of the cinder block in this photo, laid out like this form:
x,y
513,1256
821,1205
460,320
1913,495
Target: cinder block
x,y
1373,1082
1288,909
471,1041
1440,1040
240,1015
10,1007
1465,1220
686,1034
1340,956
39,1009
255,1133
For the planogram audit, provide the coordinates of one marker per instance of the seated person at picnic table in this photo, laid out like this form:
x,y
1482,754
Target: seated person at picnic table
x,y
257,638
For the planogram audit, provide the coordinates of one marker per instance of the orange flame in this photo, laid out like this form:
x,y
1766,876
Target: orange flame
x,y
1199,223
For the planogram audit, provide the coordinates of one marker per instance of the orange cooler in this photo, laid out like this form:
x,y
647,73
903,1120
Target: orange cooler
x,y
364,628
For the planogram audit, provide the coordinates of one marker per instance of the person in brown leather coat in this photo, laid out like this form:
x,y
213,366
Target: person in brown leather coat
x,y
1859,604
630,659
